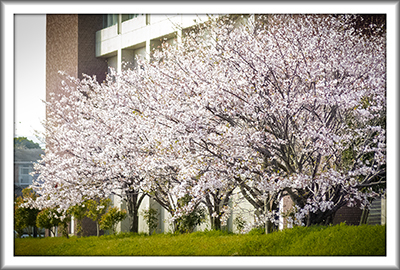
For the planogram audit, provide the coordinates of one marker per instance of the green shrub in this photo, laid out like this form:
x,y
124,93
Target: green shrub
x,y
151,218
257,231
25,217
96,209
47,219
187,223
63,226
239,222
110,219
79,211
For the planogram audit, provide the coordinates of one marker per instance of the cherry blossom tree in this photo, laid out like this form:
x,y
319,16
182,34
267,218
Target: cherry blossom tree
x,y
187,164
92,149
277,105
282,105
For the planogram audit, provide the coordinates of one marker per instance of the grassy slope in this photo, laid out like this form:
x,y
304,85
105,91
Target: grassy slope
x,y
335,240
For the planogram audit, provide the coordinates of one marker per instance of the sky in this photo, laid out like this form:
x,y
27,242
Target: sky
x,y
30,75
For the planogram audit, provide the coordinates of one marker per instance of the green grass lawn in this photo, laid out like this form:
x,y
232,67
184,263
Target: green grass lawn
x,y
339,240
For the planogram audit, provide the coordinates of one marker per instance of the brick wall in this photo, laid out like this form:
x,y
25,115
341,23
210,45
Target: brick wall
x,y
70,47
89,227
88,64
61,49
350,215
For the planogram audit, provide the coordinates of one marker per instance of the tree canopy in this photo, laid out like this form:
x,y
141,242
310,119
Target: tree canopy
x,y
274,106
23,142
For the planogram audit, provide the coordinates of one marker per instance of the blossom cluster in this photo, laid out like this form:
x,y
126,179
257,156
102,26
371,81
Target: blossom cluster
x,y
276,106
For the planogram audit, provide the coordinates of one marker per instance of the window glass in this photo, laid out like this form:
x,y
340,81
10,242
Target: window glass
x,y
24,176
126,17
25,179
110,20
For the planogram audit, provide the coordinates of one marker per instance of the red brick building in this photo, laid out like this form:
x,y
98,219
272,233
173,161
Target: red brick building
x,y
70,47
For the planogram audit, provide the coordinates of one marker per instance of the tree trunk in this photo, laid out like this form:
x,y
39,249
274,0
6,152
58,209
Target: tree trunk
x,y
98,228
268,227
175,226
364,216
215,223
133,202
269,204
134,226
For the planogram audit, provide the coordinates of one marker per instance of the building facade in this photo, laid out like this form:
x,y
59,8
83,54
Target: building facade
x,y
23,167
70,48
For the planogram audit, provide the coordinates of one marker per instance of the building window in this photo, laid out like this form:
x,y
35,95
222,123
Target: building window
x,y
126,17
25,179
110,20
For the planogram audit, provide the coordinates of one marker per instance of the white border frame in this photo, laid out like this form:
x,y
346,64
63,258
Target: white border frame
x,y
9,8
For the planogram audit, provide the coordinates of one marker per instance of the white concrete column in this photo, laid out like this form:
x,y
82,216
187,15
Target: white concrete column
x,y
383,210
119,59
119,52
147,50
72,225
119,24
117,202
179,36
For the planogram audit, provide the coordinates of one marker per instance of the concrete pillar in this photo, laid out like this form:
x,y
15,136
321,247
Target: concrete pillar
x,y
147,56
72,225
179,36
119,59
119,24
383,210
